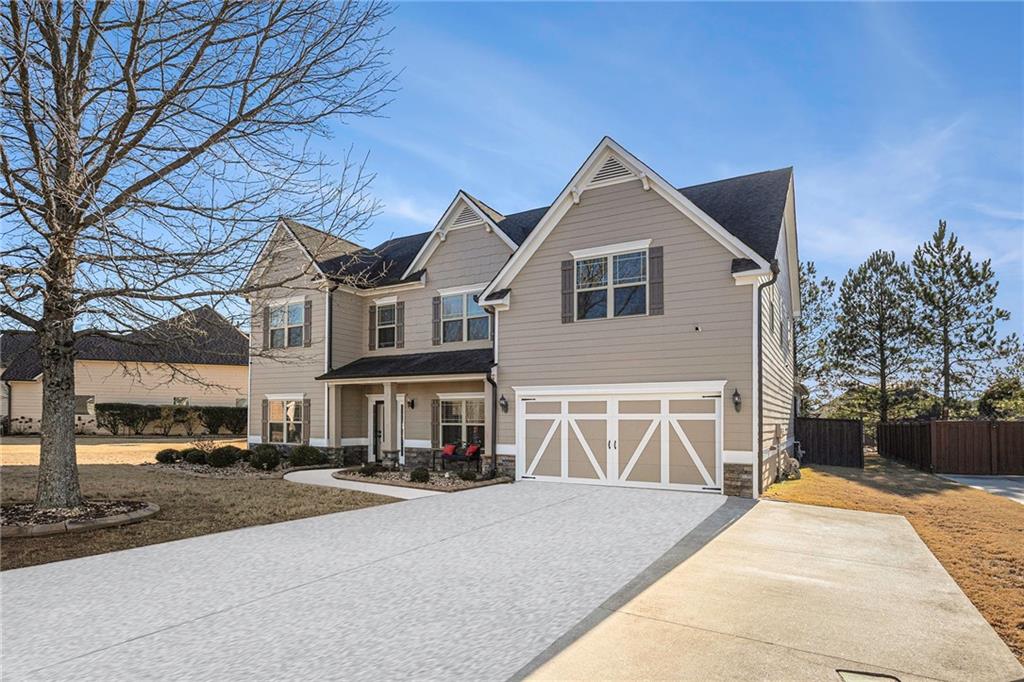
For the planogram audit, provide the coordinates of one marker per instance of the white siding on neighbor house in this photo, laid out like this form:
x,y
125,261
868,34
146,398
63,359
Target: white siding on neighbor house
x,y
291,371
139,383
535,348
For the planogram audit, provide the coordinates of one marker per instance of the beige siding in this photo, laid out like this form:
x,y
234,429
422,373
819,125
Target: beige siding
x,y
778,371
350,338
535,348
467,256
288,370
140,383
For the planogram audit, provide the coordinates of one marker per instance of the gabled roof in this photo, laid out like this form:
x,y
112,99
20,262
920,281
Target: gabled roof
x,y
206,339
476,361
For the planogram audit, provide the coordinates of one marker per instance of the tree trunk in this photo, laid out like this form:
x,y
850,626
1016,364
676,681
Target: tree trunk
x,y
58,469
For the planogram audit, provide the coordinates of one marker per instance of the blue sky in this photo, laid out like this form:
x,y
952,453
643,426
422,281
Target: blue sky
x,y
893,115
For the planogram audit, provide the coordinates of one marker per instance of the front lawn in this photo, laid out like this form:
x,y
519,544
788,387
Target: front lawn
x,y
17,450
189,506
978,537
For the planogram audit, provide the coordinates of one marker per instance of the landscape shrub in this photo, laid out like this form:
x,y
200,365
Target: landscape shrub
x,y
419,475
370,469
224,456
167,416
245,454
191,420
109,417
264,457
194,456
236,419
168,456
467,475
216,417
306,455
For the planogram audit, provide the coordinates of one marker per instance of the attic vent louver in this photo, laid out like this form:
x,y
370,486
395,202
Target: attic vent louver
x,y
611,169
465,217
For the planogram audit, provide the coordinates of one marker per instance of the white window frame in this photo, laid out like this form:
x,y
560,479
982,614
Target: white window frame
x,y
464,423
393,325
465,317
181,401
285,423
608,256
283,307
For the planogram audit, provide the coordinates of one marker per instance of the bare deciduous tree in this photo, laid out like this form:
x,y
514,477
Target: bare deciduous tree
x,y
145,148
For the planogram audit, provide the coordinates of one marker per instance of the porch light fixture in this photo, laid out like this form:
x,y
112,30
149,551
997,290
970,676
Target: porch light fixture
x,y
503,404
411,402
736,400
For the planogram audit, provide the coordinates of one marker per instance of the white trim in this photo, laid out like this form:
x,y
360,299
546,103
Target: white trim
x,y
387,300
506,449
353,441
702,387
254,438
415,379
466,289
281,225
748,277
460,396
612,249
413,443
284,396
376,291
318,442
737,457
564,201
295,298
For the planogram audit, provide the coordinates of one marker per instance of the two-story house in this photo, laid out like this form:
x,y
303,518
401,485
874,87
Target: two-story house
x,y
631,333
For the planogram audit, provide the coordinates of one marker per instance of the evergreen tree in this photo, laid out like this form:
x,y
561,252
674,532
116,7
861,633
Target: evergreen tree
x,y
957,323
873,341
815,324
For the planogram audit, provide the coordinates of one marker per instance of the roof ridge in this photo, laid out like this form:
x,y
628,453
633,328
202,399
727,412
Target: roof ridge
x,y
319,231
737,177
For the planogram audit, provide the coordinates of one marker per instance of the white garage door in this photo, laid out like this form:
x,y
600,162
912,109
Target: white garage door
x,y
653,436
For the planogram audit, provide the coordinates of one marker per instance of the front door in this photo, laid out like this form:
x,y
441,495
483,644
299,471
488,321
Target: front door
x,y
377,447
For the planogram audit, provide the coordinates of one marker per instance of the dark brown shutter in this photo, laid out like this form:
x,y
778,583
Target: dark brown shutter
x,y
436,324
568,291
264,429
400,324
305,421
307,324
372,330
266,327
435,423
656,280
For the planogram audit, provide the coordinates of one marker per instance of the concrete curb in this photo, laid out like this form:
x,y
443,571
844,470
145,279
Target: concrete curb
x,y
72,526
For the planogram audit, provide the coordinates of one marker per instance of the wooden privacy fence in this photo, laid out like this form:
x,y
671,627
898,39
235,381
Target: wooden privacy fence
x,y
946,447
833,442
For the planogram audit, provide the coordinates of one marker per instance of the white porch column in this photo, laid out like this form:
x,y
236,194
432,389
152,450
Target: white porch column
x,y
334,416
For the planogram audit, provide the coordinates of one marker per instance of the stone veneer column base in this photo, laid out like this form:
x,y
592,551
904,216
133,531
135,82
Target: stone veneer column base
x,y
739,480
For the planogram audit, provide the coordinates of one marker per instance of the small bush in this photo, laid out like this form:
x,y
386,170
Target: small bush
x,y
245,455
194,456
264,457
306,455
370,469
419,475
467,475
168,456
223,456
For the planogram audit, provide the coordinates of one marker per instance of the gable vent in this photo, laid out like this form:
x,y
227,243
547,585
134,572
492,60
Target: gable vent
x,y
611,169
466,216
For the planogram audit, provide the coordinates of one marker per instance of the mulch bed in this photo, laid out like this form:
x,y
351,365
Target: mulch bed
x,y
236,470
25,514
445,481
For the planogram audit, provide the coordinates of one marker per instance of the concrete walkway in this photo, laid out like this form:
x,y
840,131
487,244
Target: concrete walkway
x,y
470,585
1011,487
323,477
792,592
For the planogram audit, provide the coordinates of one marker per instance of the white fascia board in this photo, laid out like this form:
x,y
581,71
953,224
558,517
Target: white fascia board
x,y
377,291
565,200
460,396
609,249
750,276
284,396
415,379
387,300
466,289
669,387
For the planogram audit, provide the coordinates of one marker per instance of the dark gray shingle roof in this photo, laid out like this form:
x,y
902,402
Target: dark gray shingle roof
x,y
475,361
217,342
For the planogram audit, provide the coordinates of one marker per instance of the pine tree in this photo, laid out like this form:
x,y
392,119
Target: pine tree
x,y
957,323
813,327
873,342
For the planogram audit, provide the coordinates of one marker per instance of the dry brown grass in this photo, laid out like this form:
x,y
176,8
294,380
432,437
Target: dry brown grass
x,y
19,450
978,537
189,506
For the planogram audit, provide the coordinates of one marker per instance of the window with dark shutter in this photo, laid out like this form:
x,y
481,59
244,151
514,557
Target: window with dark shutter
x,y
263,422
567,291
266,327
435,337
656,262
305,421
373,327
400,324
307,324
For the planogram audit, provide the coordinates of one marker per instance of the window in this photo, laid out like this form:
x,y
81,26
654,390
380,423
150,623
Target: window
x,y
85,404
241,402
181,401
286,324
386,326
284,421
626,288
462,319
462,421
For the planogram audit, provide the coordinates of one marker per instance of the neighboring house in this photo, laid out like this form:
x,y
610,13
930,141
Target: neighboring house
x,y
154,366
629,334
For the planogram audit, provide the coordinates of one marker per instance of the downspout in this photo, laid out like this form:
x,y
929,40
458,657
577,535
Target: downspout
x,y
494,393
760,377
330,329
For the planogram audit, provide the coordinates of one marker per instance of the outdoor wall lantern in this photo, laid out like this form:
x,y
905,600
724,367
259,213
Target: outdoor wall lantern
x,y
411,403
503,404
736,400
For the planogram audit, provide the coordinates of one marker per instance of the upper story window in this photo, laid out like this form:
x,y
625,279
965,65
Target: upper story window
x,y
462,319
284,421
386,326
286,324
611,286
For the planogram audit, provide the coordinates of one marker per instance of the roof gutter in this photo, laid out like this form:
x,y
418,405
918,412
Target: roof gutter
x,y
759,448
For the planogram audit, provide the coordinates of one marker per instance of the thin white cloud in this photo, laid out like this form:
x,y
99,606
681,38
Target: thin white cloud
x,y
1000,213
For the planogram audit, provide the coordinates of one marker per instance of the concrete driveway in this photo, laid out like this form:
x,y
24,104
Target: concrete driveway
x,y
1011,487
470,585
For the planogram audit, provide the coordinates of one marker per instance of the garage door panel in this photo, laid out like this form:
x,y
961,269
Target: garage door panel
x,y
588,449
543,407
691,406
682,468
543,447
639,450
595,407
639,406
